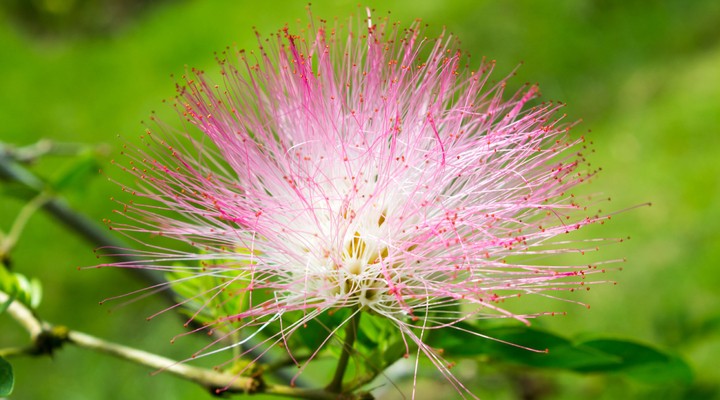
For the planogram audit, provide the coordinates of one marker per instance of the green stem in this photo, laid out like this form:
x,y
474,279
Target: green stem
x,y
298,393
9,241
202,376
351,329
8,352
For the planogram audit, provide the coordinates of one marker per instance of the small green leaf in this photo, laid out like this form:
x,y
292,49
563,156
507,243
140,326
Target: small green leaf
x,y
214,290
35,293
375,330
19,287
7,379
380,339
21,284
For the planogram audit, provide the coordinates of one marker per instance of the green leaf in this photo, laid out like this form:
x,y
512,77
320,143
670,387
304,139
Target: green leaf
x,y
7,379
35,292
317,330
381,340
520,345
17,190
212,292
26,291
526,346
374,330
639,362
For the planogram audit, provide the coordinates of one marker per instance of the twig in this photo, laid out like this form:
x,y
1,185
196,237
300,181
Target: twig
x,y
8,352
219,381
201,376
93,233
24,316
86,228
9,241
335,385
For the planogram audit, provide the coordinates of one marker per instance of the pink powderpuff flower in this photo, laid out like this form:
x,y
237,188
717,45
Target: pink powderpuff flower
x,y
361,167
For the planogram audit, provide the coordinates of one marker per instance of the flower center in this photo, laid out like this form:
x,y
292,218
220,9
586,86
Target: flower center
x,y
358,276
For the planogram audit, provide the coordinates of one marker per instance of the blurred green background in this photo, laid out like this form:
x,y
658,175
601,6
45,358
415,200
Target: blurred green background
x,y
643,75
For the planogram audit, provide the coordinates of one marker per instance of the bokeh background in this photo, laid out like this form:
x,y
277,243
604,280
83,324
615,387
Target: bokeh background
x,y
643,75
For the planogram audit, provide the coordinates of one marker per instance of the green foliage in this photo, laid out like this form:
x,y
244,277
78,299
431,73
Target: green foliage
x,y
638,361
20,288
383,340
7,379
207,295
17,191
537,348
315,332
642,75
378,342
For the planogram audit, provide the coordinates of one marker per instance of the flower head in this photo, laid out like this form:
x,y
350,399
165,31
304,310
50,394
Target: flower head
x,y
363,168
